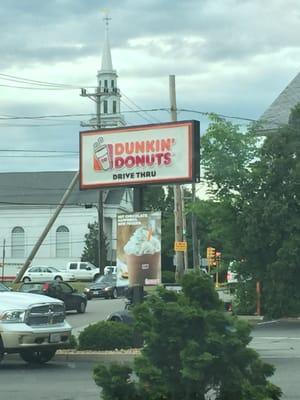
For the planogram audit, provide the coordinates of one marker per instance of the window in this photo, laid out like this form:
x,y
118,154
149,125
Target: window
x,y
112,84
73,266
105,83
105,106
114,106
18,242
62,242
65,288
83,266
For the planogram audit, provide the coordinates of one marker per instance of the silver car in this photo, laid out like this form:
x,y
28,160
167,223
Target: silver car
x,y
38,274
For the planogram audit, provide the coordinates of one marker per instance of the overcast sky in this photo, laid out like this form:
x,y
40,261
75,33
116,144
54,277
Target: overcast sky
x,y
232,57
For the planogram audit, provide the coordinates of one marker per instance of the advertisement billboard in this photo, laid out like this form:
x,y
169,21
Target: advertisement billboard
x,y
138,155
139,247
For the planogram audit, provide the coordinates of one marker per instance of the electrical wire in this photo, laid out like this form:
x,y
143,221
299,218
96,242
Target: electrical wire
x,y
139,108
138,112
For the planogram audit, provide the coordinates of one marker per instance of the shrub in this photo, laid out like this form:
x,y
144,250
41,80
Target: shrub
x,y
192,350
168,277
106,335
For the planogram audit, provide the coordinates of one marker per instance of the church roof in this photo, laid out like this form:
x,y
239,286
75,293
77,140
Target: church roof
x,y
47,188
278,113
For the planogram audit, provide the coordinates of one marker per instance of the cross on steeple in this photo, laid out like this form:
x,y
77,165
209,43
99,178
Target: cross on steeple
x,y
106,18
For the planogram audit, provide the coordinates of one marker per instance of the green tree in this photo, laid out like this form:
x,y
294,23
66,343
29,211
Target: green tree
x,y
270,218
227,156
191,348
255,192
159,198
91,249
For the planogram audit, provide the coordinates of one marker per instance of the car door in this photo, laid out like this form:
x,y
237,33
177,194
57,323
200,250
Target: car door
x,y
47,274
34,274
66,292
84,273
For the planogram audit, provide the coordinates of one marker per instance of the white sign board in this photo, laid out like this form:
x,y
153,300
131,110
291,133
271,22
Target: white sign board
x,y
161,153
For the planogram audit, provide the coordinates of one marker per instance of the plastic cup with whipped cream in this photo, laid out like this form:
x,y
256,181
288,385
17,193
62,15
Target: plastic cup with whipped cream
x,y
143,258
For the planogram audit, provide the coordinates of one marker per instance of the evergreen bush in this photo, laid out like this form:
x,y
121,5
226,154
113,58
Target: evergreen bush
x,y
193,349
106,335
168,277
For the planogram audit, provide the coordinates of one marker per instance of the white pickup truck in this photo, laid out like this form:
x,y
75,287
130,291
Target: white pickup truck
x,y
32,325
82,270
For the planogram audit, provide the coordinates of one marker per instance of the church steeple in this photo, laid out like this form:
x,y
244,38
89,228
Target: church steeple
x,y
107,87
106,53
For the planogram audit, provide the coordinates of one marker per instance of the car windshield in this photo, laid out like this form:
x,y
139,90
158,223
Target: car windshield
x,y
106,279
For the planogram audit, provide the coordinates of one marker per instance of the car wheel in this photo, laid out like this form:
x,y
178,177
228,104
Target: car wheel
x,y
37,357
26,279
115,319
58,278
114,294
81,308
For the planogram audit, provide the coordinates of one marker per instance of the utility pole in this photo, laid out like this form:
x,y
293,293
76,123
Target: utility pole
x,y
3,259
177,189
196,261
96,96
185,253
48,227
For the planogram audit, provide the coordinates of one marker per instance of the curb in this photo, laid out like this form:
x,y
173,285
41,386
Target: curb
x,y
123,357
99,357
251,318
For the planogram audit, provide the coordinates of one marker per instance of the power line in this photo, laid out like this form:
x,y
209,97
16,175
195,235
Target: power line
x,y
138,112
14,117
139,108
40,151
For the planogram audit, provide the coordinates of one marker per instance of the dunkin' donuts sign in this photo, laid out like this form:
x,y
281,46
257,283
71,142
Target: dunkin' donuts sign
x,y
162,153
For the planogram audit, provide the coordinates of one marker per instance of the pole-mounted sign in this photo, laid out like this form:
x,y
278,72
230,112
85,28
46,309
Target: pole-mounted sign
x,y
138,155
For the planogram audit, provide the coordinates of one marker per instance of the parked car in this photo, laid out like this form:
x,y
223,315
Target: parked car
x,y
59,290
41,273
3,288
82,270
106,286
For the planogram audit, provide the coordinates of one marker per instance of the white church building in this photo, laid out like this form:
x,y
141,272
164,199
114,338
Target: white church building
x,y
29,199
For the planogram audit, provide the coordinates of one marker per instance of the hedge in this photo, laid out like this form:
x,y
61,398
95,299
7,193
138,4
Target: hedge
x,y
106,335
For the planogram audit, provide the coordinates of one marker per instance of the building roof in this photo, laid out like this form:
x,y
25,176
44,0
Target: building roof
x,y
47,188
278,113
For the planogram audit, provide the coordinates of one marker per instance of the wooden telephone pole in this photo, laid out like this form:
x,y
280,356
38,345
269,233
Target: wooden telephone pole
x,y
177,189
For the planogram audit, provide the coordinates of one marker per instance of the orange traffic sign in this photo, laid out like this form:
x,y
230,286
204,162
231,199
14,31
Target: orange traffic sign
x,y
180,246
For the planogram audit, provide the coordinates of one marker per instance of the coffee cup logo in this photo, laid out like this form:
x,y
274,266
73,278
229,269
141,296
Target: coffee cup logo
x,y
102,156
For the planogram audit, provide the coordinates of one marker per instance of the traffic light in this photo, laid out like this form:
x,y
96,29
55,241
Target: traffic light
x,y
211,256
218,258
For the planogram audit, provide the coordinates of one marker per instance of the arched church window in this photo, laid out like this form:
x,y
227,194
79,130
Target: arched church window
x,y
62,241
17,242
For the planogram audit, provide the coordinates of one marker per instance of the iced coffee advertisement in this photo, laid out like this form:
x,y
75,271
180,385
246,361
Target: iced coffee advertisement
x,y
139,247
